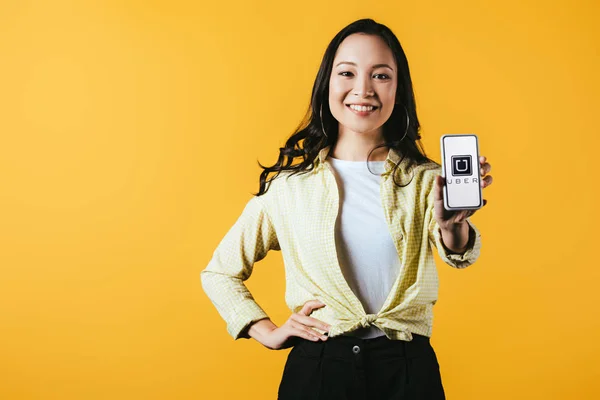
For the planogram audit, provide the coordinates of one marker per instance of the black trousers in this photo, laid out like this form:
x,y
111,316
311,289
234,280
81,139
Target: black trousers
x,y
351,368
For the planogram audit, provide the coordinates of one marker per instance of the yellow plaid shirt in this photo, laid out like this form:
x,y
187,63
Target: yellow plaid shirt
x,y
297,216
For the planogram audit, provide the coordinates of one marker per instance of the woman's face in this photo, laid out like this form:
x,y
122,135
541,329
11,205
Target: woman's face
x,y
364,71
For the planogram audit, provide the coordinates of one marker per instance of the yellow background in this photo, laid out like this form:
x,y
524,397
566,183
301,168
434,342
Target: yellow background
x,y
130,138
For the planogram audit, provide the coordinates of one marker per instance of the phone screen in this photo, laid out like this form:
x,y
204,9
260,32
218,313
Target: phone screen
x,y
460,155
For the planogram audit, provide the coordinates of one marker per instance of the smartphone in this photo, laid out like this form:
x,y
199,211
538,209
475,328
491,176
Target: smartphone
x,y
460,167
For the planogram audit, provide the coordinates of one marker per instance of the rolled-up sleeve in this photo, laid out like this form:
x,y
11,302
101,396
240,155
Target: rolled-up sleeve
x,y
457,260
246,242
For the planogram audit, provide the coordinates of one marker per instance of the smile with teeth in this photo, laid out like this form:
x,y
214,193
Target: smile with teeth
x,y
361,108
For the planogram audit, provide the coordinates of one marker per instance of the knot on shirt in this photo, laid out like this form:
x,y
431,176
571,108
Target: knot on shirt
x,y
367,320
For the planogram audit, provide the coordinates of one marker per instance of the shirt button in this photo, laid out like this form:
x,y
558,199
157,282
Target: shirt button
x,y
356,349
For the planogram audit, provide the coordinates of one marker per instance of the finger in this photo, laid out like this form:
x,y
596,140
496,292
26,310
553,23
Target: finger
x,y
482,159
310,305
300,332
307,333
310,321
437,187
485,169
487,181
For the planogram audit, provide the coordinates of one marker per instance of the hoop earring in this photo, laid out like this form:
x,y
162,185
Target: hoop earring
x,y
407,122
321,120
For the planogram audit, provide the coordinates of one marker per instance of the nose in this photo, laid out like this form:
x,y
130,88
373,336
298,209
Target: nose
x,y
363,87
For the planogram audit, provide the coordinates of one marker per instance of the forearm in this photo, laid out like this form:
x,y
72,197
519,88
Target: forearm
x,y
456,238
260,328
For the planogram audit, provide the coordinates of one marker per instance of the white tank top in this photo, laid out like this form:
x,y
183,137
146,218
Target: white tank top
x,y
366,252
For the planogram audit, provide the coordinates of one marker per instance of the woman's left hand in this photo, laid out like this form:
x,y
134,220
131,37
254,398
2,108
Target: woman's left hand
x,y
448,219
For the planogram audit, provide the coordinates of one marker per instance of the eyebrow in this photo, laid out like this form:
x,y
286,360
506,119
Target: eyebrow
x,y
374,66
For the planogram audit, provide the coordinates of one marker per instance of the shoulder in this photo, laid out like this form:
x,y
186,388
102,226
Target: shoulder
x,y
282,184
424,177
427,171
288,179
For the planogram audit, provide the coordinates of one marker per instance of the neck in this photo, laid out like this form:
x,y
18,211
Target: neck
x,y
352,146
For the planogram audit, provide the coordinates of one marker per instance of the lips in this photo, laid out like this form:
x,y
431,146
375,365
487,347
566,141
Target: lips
x,y
362,113
367,105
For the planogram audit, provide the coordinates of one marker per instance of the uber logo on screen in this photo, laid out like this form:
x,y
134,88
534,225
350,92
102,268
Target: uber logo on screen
x,y
461,165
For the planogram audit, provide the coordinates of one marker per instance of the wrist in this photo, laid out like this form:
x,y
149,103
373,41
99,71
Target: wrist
x,y
455,237
260,328
454,227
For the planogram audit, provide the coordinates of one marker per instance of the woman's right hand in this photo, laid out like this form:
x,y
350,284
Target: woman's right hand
x,y
298,325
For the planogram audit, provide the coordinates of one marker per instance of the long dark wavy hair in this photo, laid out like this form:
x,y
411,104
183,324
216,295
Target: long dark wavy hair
x,y
309,139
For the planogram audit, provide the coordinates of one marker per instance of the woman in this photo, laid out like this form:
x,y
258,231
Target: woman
x,y
356,220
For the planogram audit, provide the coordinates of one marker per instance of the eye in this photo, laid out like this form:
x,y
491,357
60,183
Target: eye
x,y
347,72
386,76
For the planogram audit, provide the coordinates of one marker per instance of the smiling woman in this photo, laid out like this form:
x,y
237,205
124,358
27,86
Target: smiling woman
x,y
364,65
363,82
361,279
